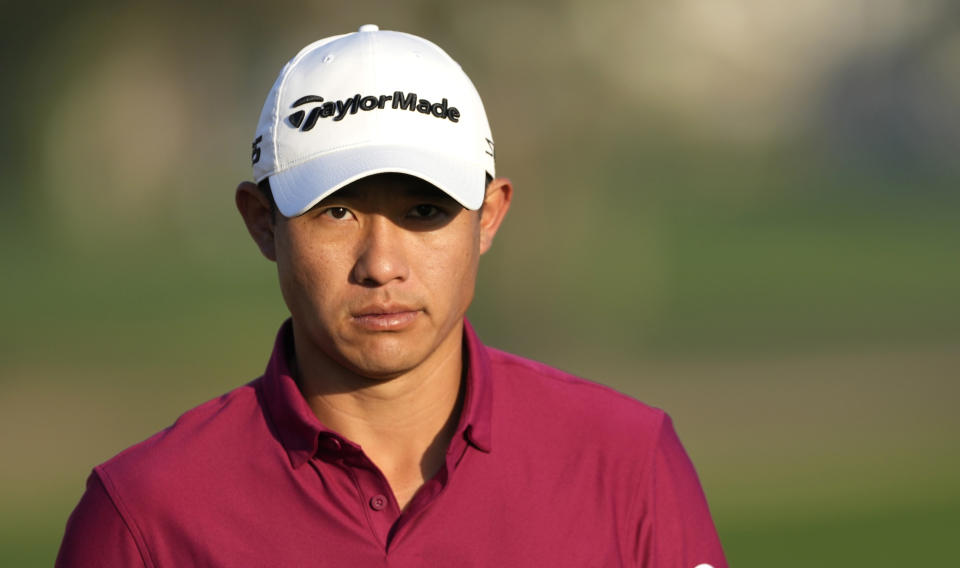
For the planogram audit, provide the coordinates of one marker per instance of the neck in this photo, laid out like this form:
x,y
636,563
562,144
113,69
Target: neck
x,y
404,424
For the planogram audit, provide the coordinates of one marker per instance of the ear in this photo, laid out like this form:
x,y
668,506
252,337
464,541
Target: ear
x,y
255,209
496,202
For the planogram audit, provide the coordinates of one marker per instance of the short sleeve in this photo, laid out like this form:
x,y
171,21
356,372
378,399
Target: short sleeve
x,y
96,534
676,530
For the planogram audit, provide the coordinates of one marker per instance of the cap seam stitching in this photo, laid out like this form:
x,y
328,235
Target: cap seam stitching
x,y
276,108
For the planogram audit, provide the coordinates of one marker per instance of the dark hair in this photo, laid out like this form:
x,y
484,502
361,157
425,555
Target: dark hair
x,y
264,186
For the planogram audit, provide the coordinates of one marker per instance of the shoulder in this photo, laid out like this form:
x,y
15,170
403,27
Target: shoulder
x,y
184,449
568,405
577,437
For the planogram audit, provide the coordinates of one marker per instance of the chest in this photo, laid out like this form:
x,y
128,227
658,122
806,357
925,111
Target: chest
x,y
334,515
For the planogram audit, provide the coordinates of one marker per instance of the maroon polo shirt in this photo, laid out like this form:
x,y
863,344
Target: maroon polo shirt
x,y
545,469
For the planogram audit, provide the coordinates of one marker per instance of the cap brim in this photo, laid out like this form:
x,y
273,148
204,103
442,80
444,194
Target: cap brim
x,y
300,187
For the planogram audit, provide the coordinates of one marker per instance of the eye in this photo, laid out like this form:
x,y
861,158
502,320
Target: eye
x,y
425,211
337,212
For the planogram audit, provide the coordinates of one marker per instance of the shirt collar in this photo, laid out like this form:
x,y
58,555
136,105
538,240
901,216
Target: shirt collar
x,y
299,430
476,418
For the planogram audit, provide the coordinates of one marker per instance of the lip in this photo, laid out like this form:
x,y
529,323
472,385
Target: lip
x,y
385,317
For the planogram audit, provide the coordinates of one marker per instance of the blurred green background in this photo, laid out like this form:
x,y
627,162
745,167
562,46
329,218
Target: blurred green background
x,y
744,212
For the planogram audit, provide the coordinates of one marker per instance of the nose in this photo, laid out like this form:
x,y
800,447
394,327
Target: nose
x,y
381,256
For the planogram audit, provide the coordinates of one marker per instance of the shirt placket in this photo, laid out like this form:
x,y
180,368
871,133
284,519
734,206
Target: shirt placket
x,y
427,495
373,491
376,497
376,501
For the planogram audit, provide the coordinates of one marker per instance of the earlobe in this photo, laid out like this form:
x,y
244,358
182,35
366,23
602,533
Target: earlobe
x,y
258,215
496,203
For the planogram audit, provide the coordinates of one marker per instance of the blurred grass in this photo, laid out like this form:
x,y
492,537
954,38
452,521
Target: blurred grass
x,y
912,536
728,253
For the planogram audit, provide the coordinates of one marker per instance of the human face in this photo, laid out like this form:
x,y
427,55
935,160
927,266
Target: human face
x,y
378,275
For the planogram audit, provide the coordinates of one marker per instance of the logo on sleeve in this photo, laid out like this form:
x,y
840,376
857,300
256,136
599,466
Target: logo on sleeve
x,y
306,118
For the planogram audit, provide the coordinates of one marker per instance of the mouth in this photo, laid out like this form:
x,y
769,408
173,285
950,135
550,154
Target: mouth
x,y
385,317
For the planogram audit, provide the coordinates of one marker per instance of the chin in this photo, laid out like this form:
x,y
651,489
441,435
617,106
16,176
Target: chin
x,y
379,370
379,361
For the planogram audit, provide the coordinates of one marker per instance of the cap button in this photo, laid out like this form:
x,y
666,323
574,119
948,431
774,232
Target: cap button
x,y
369,28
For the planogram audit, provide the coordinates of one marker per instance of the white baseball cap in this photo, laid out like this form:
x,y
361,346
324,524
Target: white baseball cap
x,y
370,102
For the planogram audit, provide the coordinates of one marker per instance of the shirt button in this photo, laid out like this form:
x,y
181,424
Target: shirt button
x,y
378,502
330,444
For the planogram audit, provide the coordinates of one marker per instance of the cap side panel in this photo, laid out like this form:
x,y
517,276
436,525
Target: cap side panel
x,y
275,119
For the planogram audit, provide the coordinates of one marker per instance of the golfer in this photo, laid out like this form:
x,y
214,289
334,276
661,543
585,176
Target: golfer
x,y
383,431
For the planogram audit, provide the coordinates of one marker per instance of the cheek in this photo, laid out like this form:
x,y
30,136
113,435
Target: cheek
x,y
450,267
306,274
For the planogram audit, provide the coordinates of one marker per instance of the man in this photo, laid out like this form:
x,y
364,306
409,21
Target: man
x,y
384,433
